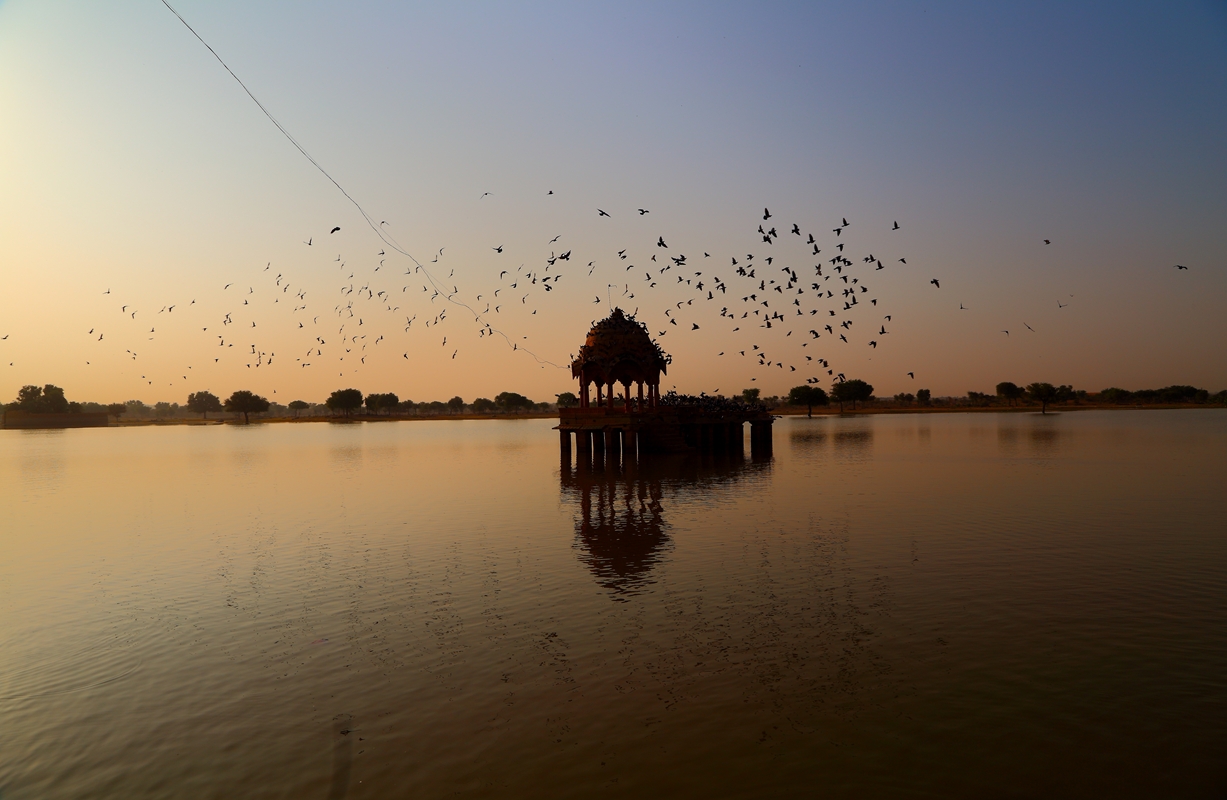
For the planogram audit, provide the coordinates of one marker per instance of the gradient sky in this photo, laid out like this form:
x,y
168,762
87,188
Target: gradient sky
x,y
131,162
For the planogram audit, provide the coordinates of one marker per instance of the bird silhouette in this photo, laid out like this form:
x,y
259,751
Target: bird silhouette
x,y
601,213
935,283
334,230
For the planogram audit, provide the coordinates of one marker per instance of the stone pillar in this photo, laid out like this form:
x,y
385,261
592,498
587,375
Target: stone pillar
x,y
760,439
640,395
630,445
598,448
583,396
598,394
583,450
609,396
626,396
612,446
564,443
737,438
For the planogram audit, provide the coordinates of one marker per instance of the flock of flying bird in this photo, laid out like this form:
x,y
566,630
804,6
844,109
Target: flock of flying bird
x,y
801,304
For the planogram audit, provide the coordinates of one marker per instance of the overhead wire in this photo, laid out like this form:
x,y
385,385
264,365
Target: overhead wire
x,y
387,239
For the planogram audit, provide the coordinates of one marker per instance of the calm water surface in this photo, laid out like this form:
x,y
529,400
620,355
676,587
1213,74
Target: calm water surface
x,y
906,606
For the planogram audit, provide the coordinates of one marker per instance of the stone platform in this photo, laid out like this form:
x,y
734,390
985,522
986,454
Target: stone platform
x,y
603,431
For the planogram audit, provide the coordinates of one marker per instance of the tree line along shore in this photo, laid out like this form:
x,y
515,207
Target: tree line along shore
x,y
848,396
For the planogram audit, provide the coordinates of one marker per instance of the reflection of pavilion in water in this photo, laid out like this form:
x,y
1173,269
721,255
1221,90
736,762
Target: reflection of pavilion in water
x,y
620,528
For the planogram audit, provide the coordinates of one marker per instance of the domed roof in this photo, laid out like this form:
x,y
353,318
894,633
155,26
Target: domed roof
x,y
619,346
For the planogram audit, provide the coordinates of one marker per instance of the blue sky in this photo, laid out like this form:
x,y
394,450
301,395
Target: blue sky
x,y
133,162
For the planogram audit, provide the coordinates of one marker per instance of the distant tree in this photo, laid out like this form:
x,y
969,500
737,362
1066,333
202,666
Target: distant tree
x,y
347,401
1168,394
456,404
977,398
483,405
1114,395
137,408
1042,393
851,391
923,396
1010,392
54,401
162,409
117,409
245,402
750,395
297,406
382,402
861,391
565,400
808,396
406,405
840,395
47,400
436,407
202,403
1065,393
511,401
29,398
904,397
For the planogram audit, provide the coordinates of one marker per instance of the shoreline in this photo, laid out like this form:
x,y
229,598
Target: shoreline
x,y
785,411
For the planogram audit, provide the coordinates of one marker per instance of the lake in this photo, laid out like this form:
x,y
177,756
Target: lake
x,y
940,605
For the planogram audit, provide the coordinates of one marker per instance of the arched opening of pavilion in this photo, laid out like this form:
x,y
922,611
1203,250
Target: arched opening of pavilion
x,y
619,351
